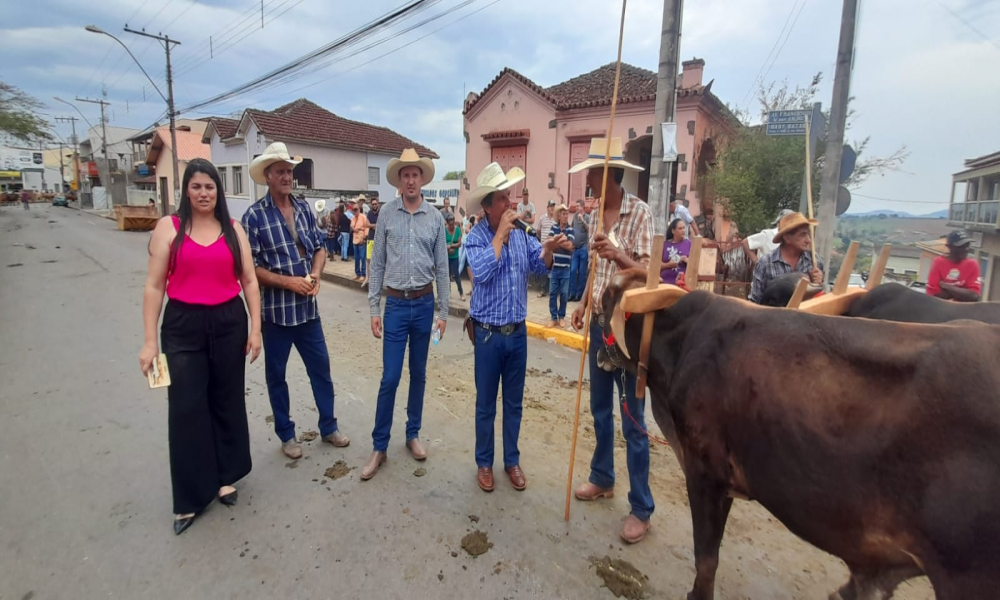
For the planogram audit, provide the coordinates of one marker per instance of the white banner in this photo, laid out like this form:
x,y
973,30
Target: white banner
x,y
16,159
669,141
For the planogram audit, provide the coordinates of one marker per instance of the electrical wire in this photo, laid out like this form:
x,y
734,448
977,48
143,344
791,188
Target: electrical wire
x,y
782,47
938,202
344,41
746,96
246,21
965,22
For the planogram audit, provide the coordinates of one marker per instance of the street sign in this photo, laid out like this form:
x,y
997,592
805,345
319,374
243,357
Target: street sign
x,y
843,200
787,122
848,159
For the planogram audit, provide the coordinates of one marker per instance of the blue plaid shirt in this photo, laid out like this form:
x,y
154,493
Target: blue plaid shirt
x,y
501,294
274,249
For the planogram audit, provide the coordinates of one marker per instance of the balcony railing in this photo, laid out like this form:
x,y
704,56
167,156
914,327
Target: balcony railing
x,y
983,214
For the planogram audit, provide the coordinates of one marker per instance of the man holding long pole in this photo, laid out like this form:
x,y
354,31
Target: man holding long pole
x,y
625,242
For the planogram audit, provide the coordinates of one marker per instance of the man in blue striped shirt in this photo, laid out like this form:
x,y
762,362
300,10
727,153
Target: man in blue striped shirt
x,y
288,253
562,259
501,255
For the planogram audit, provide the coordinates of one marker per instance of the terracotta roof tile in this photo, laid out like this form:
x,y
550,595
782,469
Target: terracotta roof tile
x,y
308,122
226,128
595,88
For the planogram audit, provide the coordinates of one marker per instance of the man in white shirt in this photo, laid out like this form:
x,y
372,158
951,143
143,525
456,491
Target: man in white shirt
x,y
545,225
679,211
525,209
762,242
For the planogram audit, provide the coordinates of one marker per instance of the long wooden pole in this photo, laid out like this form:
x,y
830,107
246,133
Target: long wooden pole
x,y
809,197
593,266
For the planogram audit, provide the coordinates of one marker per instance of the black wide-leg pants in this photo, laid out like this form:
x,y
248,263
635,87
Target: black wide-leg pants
x,y
207,422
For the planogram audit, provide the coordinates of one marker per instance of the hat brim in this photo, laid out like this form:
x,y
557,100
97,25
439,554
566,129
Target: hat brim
x,y
264,161
799,225
590,163
395,165
473,204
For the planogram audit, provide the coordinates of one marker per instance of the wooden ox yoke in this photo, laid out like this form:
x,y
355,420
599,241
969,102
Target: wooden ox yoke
x,y
657,296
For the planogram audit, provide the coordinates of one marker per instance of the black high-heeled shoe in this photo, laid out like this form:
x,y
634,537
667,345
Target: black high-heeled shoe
x,y
181,525
229,499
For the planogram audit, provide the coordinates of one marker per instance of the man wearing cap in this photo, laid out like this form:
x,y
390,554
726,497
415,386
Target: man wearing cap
x,y
501,255
410,254
525,209
625,242
370,238
762,243
794,238
288,253
679,211
956,276
544,231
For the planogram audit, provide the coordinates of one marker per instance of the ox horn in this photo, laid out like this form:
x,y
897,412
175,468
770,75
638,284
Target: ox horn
x,y
618,328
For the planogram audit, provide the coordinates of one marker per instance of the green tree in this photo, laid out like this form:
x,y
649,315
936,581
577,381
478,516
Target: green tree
x,y
19,118
758,175
454,175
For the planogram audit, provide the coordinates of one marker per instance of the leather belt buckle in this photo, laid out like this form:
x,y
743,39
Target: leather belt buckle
x,y
406,294
508,329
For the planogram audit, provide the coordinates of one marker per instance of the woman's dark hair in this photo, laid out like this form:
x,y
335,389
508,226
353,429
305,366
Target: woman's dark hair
x,y
200,165
673,226
472,220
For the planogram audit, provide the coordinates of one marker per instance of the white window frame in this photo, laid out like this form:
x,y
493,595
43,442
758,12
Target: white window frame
x,y
378,175
223,177
238,180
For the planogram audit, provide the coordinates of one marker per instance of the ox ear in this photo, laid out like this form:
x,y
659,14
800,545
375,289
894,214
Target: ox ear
x,y
618,328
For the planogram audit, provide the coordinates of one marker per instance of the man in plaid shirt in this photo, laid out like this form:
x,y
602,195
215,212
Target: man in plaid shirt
x,y
288,253
624,243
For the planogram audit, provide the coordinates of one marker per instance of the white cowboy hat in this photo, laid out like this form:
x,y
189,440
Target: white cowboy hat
x,y
276,152
409,158
492,179
320,205
598,150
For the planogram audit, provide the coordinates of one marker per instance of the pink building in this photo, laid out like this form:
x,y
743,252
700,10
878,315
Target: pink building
x,y
516,122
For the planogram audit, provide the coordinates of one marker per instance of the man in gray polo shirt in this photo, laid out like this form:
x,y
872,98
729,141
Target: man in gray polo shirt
x,y
409,255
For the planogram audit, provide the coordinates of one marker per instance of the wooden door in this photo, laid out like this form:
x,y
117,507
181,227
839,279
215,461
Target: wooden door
x,y
512,156
578,152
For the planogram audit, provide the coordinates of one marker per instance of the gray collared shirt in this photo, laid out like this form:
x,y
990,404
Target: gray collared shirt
x,y
771,266
410,252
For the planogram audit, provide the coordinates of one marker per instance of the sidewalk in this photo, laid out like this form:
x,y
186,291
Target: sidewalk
x,y
342,273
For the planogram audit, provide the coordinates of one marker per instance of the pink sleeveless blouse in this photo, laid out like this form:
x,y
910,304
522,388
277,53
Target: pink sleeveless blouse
x,y
202,274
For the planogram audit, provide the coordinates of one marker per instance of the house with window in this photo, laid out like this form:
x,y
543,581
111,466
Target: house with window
x,y
341,158
160,159
975,207
545,130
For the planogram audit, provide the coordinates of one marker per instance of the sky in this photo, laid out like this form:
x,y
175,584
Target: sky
x,y
926,73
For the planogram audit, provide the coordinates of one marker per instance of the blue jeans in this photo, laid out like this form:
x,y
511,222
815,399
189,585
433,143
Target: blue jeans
x,y
499,357
345,244
308,339
602,405
360,252
404,320
578,273
558,290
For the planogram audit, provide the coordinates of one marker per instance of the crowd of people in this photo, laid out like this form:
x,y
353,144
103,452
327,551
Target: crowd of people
x,y
235,288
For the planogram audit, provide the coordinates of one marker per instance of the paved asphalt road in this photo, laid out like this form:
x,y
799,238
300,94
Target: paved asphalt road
x,y
85,508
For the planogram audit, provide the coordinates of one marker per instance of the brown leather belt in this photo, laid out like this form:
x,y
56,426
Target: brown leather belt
x,y
409,294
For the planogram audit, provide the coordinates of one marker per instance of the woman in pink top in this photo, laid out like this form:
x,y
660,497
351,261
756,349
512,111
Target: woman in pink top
x,y
201,259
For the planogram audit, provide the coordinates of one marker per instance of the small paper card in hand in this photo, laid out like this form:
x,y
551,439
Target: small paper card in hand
x,y
159,375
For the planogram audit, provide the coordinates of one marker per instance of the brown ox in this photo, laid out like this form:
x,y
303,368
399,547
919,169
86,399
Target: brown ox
x,y
877,442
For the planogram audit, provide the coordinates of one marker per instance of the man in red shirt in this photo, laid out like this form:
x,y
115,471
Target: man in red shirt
x,y
956,276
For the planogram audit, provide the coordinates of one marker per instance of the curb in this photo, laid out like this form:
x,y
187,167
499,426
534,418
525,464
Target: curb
x,y
557,336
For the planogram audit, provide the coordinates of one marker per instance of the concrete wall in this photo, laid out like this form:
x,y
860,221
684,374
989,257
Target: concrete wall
x,y
511,105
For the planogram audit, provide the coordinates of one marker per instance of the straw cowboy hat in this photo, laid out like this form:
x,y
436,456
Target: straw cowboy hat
x,y
492,179
790,223
276,152
409,158
598,150
320,205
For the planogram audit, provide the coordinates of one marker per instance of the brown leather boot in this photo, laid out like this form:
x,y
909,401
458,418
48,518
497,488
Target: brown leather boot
x,y
376,460
484,477
589,492
416,449
633,530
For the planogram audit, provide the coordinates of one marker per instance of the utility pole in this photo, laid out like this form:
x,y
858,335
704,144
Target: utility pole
x,y
76,152
835,136
104,148
166,41
666,94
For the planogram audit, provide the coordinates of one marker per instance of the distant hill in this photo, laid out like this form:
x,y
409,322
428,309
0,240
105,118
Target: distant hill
x,y
902,214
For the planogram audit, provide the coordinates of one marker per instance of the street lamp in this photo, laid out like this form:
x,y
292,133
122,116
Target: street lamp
x,y
169,98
